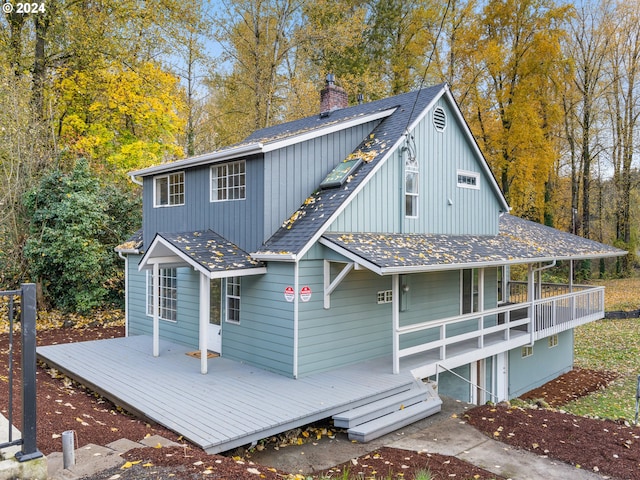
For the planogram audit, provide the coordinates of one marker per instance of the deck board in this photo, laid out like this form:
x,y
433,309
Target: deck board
x,y
234,404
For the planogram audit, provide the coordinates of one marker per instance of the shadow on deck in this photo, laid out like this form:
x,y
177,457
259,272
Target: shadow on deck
x,y
233,405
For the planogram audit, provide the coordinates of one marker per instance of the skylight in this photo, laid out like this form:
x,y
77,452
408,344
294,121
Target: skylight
x,y
341,172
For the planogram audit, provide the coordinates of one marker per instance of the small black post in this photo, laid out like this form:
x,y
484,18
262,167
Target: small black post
x,y
29,450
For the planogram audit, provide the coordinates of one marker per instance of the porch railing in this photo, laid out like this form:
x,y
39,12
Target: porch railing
x,y
461,339
27,305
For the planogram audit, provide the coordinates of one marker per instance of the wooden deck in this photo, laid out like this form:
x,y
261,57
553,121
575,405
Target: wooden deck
x,y
233,405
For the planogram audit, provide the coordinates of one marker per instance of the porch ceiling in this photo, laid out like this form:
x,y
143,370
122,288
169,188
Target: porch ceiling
x,y
205,251
518,241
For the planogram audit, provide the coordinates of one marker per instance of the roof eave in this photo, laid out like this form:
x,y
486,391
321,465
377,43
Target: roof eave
x,y
220,155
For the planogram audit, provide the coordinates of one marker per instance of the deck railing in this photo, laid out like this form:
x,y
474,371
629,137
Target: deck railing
x,y
27,297
458,340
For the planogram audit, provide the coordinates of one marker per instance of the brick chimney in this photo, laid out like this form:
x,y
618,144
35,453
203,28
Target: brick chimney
x,y
332,97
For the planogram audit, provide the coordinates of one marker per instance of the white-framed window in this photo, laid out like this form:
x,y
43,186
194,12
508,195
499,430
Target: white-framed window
x,y
468,179
553,341
385,296
411,191
439,119
228,181
168,190
470,284
168,294
527,351
232,297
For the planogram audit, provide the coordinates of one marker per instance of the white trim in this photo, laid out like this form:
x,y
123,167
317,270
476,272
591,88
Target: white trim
x,y
444,116
395,320
182,259
474,146
296,316
218,156
259,147
467,173
330,286
156,310
203,323
227,176
168,176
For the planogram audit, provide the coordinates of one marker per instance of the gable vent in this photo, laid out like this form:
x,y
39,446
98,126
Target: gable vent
x,y
440,119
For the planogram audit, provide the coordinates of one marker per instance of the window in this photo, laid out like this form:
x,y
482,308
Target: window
x,y
385,296
168,294
228,181
233,300
439,119
169,190
411,186
527,351
468,180
470,283
553,341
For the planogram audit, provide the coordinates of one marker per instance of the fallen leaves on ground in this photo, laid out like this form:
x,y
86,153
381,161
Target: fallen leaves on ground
x,y
602,446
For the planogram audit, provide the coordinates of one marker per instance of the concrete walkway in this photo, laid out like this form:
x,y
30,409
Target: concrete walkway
x,y
456,438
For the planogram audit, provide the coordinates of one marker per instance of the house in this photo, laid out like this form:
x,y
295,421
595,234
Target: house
x,y
364,232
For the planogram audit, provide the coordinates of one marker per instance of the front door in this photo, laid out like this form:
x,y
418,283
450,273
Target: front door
x,y
214,334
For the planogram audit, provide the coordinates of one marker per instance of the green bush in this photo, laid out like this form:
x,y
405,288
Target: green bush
x,y
74,225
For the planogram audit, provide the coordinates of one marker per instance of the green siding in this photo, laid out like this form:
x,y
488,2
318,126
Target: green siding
x,y
545,364
264,336
379,206
356,328
185,330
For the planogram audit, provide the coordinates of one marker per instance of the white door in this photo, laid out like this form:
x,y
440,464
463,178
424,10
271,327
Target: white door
x,y
214,332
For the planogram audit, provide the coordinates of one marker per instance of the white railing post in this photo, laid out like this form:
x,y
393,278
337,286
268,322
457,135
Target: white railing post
x,y
395,305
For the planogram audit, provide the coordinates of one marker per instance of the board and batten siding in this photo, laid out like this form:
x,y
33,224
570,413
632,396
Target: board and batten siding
x,y
184,331
264,336
355,329
544,365
443,207
200,213
293,173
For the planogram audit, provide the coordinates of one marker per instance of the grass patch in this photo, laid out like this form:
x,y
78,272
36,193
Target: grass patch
x,y
620,294
612,345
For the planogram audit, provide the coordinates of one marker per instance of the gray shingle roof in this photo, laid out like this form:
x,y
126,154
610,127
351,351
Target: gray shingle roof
x,y
212,251
300,228
519,241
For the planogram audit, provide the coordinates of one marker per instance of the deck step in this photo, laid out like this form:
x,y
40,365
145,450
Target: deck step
x,y
381,418
371,411
393,421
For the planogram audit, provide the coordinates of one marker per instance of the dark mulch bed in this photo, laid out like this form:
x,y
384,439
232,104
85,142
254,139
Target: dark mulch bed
x,y
609,448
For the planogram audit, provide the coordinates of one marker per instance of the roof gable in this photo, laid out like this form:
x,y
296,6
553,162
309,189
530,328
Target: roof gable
x,y
305,226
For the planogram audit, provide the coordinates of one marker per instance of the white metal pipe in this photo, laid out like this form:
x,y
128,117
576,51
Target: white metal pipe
x,y
68,449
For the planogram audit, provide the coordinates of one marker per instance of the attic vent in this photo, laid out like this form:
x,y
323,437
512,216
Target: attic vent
x,y
440,119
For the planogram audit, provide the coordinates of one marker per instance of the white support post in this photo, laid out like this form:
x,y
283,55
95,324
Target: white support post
x,y
205,293
395,308
531,299
156,310
330,286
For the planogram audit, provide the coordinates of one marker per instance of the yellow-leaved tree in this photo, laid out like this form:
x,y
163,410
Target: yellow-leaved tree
x,y
121,118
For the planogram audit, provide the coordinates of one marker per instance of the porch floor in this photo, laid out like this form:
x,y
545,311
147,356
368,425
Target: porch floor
x,y
233,405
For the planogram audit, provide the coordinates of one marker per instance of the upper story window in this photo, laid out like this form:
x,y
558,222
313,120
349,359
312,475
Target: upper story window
x,y
228,181
169,190
411,173
468,179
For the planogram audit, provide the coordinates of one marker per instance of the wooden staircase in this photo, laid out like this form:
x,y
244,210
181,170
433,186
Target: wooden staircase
x,y
385,415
